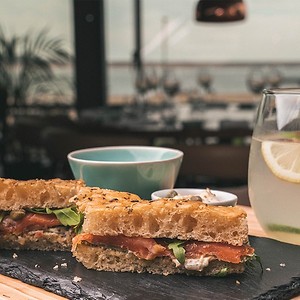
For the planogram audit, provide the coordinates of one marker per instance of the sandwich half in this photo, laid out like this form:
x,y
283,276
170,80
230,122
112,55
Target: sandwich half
x,y
37,214
165,236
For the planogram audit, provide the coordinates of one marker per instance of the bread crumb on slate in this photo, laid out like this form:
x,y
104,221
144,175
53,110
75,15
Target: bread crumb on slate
x,y
77,279
282,265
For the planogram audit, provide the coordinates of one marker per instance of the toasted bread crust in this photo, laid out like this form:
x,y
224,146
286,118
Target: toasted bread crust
x,y
16,194
108,259
88,197
182,219
56,238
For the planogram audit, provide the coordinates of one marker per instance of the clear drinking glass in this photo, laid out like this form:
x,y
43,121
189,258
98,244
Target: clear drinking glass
x,y
274,165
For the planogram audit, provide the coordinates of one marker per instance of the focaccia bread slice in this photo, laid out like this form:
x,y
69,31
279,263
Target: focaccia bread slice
x,y
108,215
104,258
39,193
53,238
88,197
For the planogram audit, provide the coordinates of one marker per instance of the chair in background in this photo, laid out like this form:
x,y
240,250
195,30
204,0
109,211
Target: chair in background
x,y
220,166
59,141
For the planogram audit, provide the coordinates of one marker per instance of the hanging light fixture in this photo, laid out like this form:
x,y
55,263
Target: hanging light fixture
x,y
220,10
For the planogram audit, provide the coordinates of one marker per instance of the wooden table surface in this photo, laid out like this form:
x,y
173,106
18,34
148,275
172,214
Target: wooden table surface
x,y
13,289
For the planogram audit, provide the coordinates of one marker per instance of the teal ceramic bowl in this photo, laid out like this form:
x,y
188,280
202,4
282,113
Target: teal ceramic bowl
x,y
136,169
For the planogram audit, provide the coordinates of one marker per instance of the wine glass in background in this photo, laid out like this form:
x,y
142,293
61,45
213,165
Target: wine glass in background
x,y
256,81
274,164
152,78
146,82
141,83
142,87
170,84
273,77
204,80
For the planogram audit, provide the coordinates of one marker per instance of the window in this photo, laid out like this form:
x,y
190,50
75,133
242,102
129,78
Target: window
x,y
265,45
46,25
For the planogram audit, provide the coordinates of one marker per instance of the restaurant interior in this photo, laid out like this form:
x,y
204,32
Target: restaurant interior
x,y
179,74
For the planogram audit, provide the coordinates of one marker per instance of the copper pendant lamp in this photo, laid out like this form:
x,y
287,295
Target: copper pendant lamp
x,y
220,11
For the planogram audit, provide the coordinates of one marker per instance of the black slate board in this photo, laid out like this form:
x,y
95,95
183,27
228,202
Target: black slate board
x,y
278,282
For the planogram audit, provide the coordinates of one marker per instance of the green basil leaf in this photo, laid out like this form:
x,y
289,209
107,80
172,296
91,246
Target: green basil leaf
x,y
78,227
37,210
2,215
67,216
178,250
223,272
254,258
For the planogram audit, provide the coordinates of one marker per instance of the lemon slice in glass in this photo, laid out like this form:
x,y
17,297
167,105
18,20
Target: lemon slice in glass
x,y
283,158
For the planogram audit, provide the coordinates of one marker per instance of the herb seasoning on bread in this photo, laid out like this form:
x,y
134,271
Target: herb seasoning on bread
x,y
123,233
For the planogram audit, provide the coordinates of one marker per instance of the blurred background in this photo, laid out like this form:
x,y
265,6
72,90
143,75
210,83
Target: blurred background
x,y
84,73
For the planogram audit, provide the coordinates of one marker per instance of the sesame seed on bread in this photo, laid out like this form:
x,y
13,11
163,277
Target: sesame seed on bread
x,y
117,213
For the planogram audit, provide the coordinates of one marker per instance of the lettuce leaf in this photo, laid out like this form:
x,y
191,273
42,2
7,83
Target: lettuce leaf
x,y
2,215
68,216
223,272
37,210
254,258
178,250
78,227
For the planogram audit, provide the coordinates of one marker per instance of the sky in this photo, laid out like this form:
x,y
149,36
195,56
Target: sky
x,y
269,33
19,17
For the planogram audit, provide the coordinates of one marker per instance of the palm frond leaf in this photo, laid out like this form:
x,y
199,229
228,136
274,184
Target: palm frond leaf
x,y
28,60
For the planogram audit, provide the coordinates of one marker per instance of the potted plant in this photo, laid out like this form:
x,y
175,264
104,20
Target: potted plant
x,y
26,68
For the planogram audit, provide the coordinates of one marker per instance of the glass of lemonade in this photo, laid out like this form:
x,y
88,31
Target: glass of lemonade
x,y
274,165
